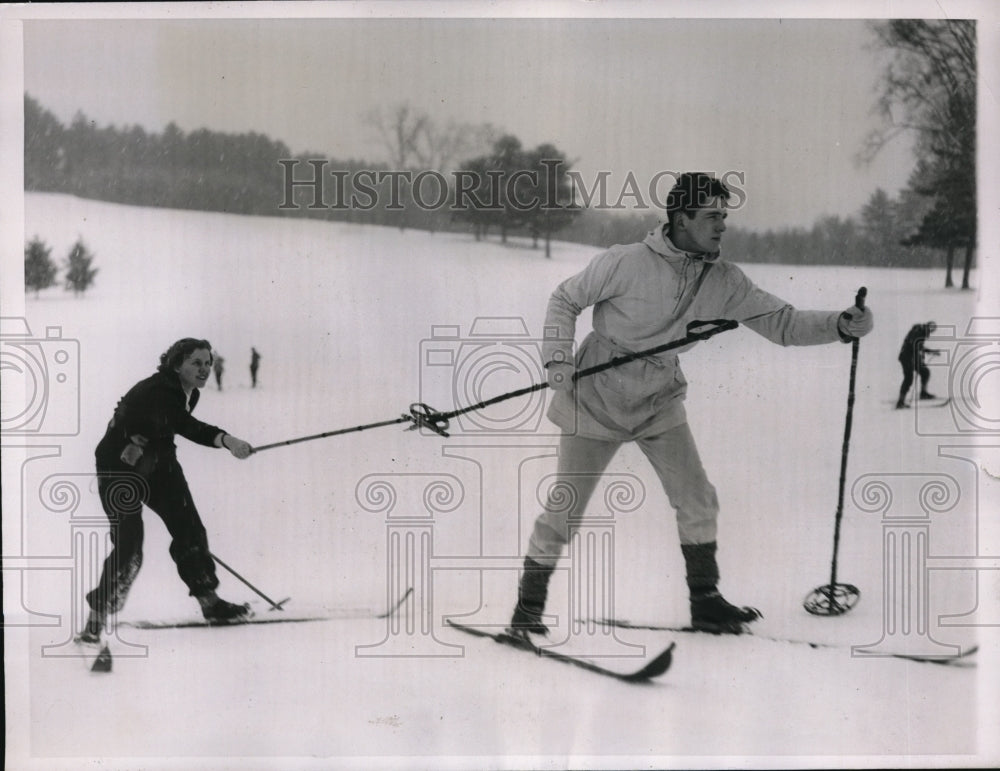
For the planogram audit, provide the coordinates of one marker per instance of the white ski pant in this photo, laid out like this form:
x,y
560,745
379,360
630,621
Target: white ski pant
x,y
675,460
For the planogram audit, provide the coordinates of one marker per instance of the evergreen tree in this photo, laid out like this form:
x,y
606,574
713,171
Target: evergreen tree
x,y
39,269
79,274
508,159
553,205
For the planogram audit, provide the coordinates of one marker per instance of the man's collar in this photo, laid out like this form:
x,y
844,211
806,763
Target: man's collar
x,y
658,240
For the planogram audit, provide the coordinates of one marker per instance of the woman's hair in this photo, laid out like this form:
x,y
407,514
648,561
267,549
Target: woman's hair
x,y
693,190
174,356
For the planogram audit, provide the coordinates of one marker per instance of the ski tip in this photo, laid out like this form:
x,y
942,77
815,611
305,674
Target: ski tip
x,y
398,604
103,661
656,667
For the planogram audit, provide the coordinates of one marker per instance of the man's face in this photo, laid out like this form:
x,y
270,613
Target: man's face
x,y
702,232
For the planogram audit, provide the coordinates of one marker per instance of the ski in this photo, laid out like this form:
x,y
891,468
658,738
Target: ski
x,y
956,660
276,614
934,403
654,668
925,404
398,604
277,618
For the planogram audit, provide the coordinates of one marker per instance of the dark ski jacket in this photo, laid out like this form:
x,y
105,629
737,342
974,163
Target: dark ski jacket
x,y
154,409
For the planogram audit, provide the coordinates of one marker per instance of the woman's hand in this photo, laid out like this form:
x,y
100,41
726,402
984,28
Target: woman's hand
x,y
239,448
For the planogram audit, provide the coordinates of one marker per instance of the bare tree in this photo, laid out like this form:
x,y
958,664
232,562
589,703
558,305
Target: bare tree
x,y
441,147
414,140
398,128
929,88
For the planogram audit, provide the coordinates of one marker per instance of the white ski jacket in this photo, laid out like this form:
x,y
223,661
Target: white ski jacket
x,y
644,295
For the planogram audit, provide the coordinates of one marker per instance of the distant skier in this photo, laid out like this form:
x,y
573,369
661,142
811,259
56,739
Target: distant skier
x,y
254,364
911,358
218,368
137,464
644,295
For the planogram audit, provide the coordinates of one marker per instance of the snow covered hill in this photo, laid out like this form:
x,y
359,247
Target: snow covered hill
x,y
356,323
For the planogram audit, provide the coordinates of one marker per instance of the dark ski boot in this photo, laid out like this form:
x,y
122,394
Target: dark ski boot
x,y
531,595
219,611
91,634
710,611
927,395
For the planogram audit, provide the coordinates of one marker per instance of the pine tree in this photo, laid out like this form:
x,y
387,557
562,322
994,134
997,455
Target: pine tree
x,y
39,270
79,274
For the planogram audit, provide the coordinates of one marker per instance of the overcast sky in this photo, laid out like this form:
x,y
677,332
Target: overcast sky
x,y
787,103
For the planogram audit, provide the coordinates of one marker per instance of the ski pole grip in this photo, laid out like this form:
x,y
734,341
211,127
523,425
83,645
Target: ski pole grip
x,y
859,298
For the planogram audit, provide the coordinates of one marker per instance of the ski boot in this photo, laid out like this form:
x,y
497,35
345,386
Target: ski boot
x,y
710,611
531,595
927,395
219,611
91,634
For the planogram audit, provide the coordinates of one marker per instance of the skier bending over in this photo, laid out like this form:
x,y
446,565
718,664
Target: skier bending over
x,y
137,464
644,295
911,358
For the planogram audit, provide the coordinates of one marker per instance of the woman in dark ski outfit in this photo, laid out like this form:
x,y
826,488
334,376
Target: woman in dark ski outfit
x,y
137,464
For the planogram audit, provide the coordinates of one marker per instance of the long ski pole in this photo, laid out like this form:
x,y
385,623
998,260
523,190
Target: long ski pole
x,y
696,330
325,434
422,416
835,599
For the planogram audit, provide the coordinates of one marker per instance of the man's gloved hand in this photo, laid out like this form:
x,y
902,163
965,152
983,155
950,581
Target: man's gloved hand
x,y
855,322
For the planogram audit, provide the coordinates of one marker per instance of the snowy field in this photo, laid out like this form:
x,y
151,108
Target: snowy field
x,y
356,323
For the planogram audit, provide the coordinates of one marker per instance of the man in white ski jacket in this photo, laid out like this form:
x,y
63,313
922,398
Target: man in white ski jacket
x,y
644,295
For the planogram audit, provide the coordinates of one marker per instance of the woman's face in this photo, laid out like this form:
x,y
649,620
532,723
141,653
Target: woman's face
x,y
195,369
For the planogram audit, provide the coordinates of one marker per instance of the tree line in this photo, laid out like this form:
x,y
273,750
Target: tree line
x,y
930,82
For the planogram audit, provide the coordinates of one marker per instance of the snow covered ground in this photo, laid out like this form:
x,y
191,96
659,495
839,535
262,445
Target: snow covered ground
x,y
356,323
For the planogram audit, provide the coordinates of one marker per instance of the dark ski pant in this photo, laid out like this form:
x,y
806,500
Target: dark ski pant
x,y
908,370
581,463
123,493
